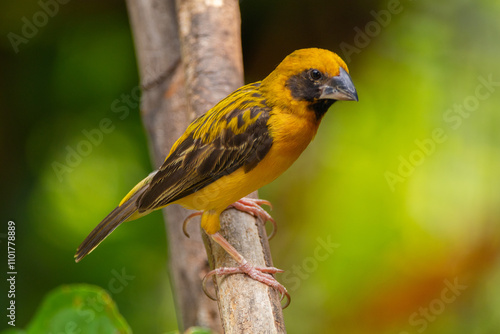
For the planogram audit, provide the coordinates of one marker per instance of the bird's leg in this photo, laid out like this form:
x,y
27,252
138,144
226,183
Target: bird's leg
x,y
248,205
253,207
261,274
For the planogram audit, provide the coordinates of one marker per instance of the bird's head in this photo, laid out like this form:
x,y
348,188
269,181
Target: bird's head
x,y
311,78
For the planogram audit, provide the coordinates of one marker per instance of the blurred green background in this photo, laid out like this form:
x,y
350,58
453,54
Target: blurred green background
x,y
388,223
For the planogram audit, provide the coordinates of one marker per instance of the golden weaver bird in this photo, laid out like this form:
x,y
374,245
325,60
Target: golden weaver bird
x,y
243,143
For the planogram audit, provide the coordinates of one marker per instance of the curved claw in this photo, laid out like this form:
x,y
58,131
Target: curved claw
x,y
186,221
204,284
253,206
273,231
218,271
288,299
251,271
261,202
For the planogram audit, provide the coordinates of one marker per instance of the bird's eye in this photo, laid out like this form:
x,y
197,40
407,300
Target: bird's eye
x,y
315,75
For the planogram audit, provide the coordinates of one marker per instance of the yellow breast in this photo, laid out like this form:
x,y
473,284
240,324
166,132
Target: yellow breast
x,y
291,136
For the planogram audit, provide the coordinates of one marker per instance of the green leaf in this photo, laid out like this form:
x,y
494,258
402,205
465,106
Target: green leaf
x,y
194,330
13,331
78,309
198,330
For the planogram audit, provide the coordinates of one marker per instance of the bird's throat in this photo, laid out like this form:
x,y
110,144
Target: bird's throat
x,y
320,107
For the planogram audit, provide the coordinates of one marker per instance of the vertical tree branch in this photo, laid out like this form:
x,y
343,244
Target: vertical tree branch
x,y
211,68
165,116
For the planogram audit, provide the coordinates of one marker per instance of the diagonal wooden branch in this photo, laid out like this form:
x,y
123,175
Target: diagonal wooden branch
x,y
211,54
175,89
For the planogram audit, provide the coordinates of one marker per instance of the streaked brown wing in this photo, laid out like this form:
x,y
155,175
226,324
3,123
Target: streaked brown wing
x,y
195,162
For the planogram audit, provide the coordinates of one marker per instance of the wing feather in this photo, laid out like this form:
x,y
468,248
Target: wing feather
x,y
231,135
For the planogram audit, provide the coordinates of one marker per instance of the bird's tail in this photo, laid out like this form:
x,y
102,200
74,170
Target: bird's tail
x,y
127,209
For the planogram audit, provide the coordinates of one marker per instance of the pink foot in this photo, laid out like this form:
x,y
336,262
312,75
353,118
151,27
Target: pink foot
x,y
253,207
260,274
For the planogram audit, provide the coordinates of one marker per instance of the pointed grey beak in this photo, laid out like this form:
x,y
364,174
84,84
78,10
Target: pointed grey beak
x,y
340,88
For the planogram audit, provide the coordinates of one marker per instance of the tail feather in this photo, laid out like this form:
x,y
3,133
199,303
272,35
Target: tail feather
x,y
120,214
